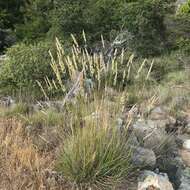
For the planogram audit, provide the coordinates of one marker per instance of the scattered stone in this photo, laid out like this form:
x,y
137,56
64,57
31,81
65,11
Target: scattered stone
x,y
149,180
133,141
186,145
143,157
120,123
185,180
172,165
180,139
158,114
187,127
7,101
149,133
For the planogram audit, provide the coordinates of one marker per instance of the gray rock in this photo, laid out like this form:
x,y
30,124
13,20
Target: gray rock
x,y
180,139
158,113
7,101
150,180
172,165
142,157
186,145
149,133
133,141
187,127
185,180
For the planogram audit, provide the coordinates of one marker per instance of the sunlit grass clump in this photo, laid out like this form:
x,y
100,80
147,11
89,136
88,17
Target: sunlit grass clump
x,y
95,157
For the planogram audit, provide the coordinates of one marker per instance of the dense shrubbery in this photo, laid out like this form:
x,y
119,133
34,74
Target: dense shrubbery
x,y
26,65
36,24
152,32
144,18
39,19
178,28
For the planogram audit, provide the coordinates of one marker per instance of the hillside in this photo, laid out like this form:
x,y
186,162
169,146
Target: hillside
x,y
95,95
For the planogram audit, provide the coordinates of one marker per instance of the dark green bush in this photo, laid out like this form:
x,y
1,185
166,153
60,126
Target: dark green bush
x,y
175,61
178,28
145,20
36,24
26,64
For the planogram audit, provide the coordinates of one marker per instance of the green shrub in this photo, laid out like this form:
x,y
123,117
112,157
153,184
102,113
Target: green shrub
x,y
185,9
36,17
26,64
95,157
168,63
177,77
145,20
178,28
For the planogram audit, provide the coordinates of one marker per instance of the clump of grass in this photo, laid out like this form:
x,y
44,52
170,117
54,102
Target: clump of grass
x,y
82,73
16,110
47,118
95,156
174,92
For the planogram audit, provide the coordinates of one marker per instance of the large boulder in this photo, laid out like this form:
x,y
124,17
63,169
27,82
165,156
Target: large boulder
x,y
149,180
150,133
143,158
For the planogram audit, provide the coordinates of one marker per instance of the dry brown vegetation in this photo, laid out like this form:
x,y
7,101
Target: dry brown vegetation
x,y
22,165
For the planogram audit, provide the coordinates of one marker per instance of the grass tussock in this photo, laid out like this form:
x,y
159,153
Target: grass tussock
x,y
96,155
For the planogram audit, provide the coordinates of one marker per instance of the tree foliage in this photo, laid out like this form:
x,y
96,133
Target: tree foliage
x,y
26,65
34,20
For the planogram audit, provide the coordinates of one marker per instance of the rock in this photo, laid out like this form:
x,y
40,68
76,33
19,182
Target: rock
x,y
180,139
186,145
187,127
158,113
185,155
149,180
142,157
133,141
185,180
171,164
149,133
142,128
7,101
120,123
